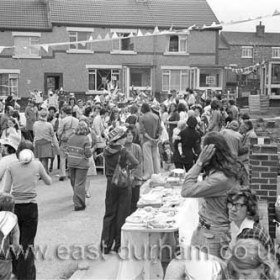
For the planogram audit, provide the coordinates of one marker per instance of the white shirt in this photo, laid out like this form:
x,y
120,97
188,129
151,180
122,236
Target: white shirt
x,y
235,231
5,162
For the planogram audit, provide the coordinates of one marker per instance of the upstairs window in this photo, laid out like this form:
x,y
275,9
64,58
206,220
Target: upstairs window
x,y
77,35
177,44
276,52
124,41
247,52
26,45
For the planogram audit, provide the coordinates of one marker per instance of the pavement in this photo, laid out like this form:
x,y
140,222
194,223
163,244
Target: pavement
x,y
65,237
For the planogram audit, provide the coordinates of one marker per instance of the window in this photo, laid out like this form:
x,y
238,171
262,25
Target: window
x,y
275,74
175,79
77,35
124,42
210,78
275,52
26,45
100,79
247,52
8,83
177,44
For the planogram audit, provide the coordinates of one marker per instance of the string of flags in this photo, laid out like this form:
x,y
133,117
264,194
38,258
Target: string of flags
x,y
156,32
245,70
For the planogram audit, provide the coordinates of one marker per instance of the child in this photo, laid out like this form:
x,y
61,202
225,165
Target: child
x,y
167,156
9,235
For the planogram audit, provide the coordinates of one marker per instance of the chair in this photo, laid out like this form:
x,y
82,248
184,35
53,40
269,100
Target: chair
x,y
100,157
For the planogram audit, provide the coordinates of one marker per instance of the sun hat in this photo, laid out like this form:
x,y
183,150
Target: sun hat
x,y
155,108
13,140
25,156
43,114
117,133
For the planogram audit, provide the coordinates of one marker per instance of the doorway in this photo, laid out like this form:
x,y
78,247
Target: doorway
x,y
53,81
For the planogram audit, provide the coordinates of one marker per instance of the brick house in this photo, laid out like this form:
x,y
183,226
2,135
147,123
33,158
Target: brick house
x,y
255,61
155,63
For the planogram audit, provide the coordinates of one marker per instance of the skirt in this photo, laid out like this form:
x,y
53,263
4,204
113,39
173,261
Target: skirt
x,y
44,149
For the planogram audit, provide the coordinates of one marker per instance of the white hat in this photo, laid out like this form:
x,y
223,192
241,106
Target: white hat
x,y
26,156
13,140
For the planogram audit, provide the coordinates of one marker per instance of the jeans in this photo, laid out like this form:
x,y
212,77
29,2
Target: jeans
x,y
117,208
151,159
24,265
78,179
62,155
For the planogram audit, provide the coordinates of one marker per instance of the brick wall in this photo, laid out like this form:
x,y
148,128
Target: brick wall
x,y
263,170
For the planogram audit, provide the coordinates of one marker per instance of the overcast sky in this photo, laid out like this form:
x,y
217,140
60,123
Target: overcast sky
x,y
227,10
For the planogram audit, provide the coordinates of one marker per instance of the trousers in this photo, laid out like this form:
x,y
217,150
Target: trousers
x,y
78,178
117,208
151,159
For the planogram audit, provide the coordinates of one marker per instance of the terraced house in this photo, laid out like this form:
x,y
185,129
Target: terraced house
x,y
38,48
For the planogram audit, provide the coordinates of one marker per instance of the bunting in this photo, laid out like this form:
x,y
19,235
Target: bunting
x,y
245,70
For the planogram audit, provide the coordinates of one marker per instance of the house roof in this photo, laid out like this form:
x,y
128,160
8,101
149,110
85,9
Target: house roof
x,y
23,14
250,38
132,13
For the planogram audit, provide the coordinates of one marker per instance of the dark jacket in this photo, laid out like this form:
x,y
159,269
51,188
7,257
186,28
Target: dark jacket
x,y
190,139
111,154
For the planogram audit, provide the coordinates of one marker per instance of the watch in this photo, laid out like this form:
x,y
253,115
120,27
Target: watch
x,y
199,163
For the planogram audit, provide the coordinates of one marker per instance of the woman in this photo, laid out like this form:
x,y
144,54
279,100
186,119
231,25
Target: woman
x,y
117,201
21,181
250,260
182,111
215,123
136,175
221,176
190,140
45,141
172,120
79,152
13,128
163,113
73,105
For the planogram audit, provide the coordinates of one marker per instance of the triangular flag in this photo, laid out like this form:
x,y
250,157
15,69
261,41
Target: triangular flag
x,y
115,36
139,33
45,47
148,34
1,49
107,37
90,38
156,30
83,44
99,37
131,34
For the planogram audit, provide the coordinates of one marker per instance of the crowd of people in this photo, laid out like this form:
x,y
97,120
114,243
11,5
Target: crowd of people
x,y
198,133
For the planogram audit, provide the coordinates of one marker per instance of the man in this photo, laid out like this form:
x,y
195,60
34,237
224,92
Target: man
x,y
66,128
233,110
233,137
243,214
31,115
150,131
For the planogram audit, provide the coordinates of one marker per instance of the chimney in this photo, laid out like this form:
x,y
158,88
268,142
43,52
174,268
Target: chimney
x,y
260,30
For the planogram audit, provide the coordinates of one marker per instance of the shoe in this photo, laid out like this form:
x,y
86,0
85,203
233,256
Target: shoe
x,y
79,208
62,178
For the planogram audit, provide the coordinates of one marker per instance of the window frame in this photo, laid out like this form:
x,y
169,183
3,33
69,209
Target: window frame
x,y
277,50
12,75
32,39
168,72
181,38
245,49
78,30
119,32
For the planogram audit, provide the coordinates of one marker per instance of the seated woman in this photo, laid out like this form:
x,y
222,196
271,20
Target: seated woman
x,y
250,260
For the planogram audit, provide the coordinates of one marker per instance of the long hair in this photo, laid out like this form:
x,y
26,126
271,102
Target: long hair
x,y
251,254
223,160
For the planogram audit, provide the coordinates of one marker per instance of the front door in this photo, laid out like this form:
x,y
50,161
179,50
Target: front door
x,y
53,81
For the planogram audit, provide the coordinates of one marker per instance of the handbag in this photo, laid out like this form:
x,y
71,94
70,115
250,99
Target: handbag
x,y
120,177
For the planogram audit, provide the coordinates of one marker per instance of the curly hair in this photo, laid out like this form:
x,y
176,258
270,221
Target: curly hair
x,y
82,128
222,160
251,254
250,200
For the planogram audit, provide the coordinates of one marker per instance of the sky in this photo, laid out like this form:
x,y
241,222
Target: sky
x,y
228,10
